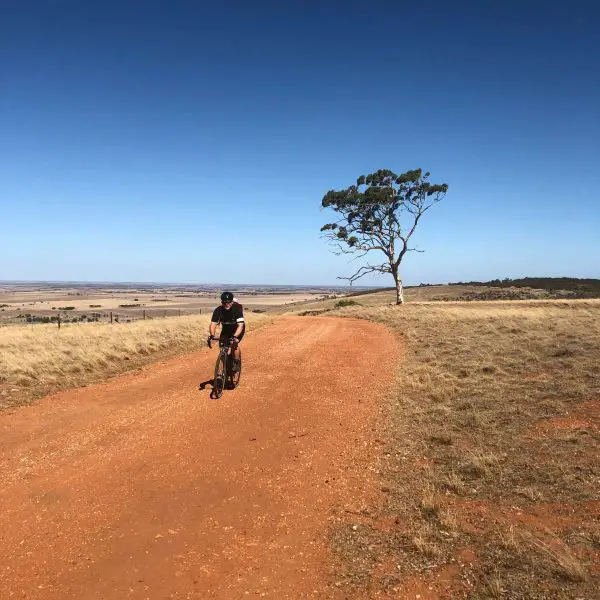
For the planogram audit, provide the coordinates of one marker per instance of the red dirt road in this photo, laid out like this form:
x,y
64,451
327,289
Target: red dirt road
x,y
144,487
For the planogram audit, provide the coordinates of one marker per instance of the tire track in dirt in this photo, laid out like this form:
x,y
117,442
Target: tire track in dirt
x,y
143,487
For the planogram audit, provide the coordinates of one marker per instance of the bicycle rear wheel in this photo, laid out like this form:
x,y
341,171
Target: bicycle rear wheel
x,y
220,374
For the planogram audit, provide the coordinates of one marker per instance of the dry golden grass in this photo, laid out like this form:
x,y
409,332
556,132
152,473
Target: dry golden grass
x,y
501,402
434,294
425,542
37,359
569,566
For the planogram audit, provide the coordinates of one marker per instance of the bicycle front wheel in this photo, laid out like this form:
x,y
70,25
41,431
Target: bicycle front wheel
x,y
236,374
219,381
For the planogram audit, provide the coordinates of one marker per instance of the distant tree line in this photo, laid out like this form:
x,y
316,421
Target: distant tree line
x,y
582,287
29,318
372,291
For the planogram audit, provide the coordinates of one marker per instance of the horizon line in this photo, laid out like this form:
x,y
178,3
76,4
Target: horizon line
x,y
180,283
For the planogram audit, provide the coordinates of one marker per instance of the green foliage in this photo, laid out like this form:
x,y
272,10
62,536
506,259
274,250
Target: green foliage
x,y
313,313
342,303
40,319
585,288
371,291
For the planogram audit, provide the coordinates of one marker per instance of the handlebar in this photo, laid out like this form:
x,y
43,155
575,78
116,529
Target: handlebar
x,y
212,338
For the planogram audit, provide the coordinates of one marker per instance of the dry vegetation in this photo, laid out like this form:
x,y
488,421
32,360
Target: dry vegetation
x,y
428,293
39,359
490,474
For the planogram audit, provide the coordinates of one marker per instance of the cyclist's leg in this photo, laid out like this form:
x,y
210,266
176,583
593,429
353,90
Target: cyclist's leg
x,y
224,339
237,353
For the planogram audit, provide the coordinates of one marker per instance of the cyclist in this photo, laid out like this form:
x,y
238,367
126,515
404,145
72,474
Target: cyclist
x,y
231,317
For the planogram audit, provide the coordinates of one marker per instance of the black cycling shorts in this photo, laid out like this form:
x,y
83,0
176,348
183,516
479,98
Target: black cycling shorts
x,y
224,338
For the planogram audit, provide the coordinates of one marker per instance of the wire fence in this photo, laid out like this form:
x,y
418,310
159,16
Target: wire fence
x,y
66,317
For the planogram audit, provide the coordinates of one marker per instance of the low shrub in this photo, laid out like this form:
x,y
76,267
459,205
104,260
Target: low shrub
x,y
342,303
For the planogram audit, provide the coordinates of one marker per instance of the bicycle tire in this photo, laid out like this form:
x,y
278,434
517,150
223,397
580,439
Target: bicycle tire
x,y
220,374
235,377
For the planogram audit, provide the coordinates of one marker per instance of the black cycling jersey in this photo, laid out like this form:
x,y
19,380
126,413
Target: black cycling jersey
x,y
229,319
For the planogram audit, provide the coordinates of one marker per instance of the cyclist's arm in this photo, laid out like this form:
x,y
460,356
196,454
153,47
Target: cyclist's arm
x,y
212,328
240,323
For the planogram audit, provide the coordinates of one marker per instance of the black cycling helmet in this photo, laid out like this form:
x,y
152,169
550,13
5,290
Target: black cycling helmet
x,y
226,297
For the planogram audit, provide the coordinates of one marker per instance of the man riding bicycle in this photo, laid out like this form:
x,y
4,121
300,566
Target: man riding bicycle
x,y
231,317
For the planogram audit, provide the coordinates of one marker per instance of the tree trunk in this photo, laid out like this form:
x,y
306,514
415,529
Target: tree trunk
x,y
399,289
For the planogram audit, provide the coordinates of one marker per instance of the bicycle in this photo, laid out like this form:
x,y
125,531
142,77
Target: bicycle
x,y
224,373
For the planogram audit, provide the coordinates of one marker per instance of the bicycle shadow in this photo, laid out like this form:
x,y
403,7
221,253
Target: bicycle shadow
x,y
211,382
206,383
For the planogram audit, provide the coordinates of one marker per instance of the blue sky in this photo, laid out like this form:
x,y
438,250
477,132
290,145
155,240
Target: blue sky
x,y
184,142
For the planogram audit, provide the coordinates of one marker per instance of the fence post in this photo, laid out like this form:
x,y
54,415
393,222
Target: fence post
x,y
58,320
179,312
111,317
144,314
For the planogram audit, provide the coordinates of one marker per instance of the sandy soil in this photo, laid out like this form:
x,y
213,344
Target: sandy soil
x,y
144,487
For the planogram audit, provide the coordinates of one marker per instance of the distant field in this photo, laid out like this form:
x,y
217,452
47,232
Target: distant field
x,y
22,304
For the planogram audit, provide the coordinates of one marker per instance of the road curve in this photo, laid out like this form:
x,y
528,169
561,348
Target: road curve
x,y
143,487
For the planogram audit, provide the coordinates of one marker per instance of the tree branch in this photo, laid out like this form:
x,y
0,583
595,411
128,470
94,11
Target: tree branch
x,y
364,270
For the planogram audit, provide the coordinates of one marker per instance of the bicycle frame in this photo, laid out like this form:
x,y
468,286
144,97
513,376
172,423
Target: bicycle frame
x,y
223,366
